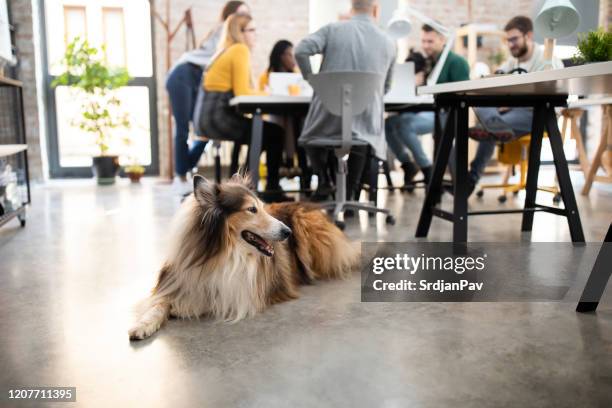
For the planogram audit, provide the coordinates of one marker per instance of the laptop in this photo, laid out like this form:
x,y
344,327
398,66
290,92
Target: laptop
x,y
403,82
279,83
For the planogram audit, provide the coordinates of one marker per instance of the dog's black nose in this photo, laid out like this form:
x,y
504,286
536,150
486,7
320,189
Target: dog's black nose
x,y
285,232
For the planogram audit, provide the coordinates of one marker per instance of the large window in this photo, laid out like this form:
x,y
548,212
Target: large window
x,y
124,29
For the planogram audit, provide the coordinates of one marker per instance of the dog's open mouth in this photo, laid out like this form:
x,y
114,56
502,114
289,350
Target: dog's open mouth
x,y
258,242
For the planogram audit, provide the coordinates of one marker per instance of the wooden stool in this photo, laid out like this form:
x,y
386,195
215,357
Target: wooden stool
x,y
511,154
603,155
571,116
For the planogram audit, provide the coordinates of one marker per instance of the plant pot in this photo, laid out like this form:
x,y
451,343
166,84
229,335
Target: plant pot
x,y
134,176
105,169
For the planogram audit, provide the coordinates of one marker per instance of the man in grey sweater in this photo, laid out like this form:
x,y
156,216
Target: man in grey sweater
x,y
356,44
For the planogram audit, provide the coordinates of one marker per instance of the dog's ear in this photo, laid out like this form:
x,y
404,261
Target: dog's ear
x,y
204,190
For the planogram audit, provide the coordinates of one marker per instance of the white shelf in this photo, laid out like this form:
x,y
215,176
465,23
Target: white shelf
x,y
9,149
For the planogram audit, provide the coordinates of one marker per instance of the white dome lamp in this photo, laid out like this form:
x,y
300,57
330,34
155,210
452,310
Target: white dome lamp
x,y
556,19
399,26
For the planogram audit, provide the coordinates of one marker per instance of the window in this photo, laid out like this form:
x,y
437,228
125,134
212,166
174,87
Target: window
x,y
113,28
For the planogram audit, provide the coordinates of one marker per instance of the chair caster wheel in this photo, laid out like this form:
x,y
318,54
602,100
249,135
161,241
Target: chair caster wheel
x,y
390,219
557,198
479,193
502,199
340,224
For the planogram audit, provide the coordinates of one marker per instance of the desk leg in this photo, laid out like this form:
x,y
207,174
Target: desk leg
x,y
599,277
565,183
255,147
434,189
533,168
461,175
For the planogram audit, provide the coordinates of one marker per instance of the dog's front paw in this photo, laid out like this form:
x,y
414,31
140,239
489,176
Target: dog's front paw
x,y
139,332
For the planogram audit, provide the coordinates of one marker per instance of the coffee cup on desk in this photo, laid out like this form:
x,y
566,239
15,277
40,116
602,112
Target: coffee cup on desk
x,y
294,89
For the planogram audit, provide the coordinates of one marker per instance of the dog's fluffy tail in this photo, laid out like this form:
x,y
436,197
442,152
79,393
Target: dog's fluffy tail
x,y
151,314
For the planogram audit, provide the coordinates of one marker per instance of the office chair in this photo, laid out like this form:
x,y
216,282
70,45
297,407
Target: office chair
x,y
345,94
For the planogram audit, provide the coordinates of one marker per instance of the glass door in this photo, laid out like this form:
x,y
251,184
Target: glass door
x,y
124,27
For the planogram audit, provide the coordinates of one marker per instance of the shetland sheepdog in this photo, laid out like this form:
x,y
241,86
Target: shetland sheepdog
x,y
231,256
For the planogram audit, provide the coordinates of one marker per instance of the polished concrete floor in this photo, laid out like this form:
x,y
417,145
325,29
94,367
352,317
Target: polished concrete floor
x,y
68,280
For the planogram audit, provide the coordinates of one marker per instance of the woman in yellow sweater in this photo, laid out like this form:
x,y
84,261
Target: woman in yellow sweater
x,y
229,75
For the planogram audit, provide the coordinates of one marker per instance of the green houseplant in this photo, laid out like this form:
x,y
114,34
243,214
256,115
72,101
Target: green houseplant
x,y
594,46
85,69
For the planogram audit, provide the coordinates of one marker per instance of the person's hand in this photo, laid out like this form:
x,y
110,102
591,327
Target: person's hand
x,y
419,78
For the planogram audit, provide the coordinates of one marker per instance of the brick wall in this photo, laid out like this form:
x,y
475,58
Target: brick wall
x,y
21,16
273,19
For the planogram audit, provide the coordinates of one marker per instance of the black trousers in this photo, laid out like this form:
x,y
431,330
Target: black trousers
x,y
272,144
321,157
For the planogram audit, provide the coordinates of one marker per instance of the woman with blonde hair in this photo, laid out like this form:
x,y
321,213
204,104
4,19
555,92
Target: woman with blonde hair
x,y
183,83
229,75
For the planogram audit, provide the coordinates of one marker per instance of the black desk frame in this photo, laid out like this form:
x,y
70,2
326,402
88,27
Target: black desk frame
x,y
456,129
598,279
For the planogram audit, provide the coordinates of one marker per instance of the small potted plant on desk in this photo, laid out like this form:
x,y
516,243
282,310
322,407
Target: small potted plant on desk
x,y
594,46
134,172
85,70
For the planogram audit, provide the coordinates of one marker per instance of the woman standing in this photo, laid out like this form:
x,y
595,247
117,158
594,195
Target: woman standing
x,y
229,75
182,85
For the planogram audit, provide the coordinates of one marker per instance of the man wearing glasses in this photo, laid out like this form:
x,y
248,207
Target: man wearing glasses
x,y
499,125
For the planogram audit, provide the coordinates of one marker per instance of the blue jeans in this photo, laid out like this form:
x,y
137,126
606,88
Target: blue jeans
x,y
402,132
518,120
182,86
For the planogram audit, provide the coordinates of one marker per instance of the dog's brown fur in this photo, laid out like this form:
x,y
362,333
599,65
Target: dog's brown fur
x,y
213,270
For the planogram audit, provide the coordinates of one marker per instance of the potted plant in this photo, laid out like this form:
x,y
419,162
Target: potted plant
x,y
594,46
134,172
85,70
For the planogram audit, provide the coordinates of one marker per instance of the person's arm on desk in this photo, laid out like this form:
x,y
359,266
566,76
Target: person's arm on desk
x,y
311,45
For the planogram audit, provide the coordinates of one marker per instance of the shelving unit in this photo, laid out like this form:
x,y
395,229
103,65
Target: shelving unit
x,y
13,146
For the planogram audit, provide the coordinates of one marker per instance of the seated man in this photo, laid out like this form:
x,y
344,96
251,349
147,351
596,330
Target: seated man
x,y
403,131
507,124
356,44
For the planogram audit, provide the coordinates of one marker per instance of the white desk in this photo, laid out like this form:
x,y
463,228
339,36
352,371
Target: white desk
x,y
300,100
590,79
257,105
543,91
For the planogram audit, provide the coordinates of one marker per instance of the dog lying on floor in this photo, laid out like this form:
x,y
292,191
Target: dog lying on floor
x,y
232,256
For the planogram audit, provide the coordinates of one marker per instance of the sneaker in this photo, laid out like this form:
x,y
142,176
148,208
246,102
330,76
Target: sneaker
x,y
450,189
182,186
410,170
